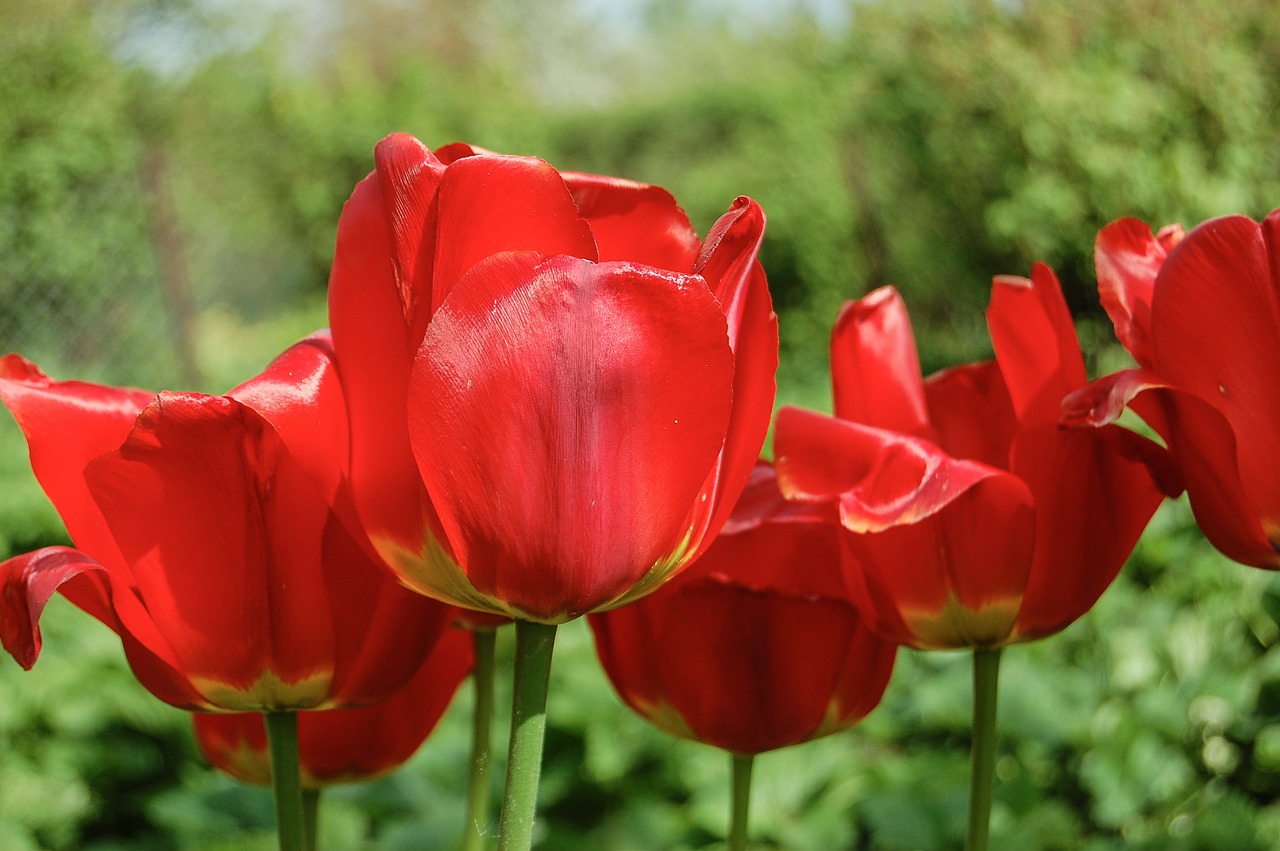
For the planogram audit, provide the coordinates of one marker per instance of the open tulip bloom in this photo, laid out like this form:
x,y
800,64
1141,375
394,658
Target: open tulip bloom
x,y
214,535
557,391
1201,316
755,647
975,519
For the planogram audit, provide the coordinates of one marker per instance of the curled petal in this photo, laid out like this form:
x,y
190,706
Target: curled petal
x,y
1128,257
28,582
564,416
882,478
875,371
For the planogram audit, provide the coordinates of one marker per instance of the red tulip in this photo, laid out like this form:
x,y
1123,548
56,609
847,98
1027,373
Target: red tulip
x,y
1201,316
213,537
989,523
757,645
556,390
345,745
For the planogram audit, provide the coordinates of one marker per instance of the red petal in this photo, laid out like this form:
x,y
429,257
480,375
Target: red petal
x,y
28,581
1035,344
223,531
971,413
492,204
882,478
875,371
635,221
1128,257
368,300
953,579
299,394
1094,494
1216,320
729,265
67,424
717,662
564,416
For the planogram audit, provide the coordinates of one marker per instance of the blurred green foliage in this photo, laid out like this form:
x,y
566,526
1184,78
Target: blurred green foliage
x,y
172,176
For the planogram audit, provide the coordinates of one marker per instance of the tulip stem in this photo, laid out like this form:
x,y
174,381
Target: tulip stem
x,y
534,643
986,680
741,798
286,781
310,815
482,642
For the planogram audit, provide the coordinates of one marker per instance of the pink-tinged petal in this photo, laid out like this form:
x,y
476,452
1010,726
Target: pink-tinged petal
x,y
954,578
223,530
1094,494
1216,322
635,221
28,581
564,416
1035,344
67,424
881,478
762,502
372,341
493,204
1128,257
972,413
299,394
728,263
875,371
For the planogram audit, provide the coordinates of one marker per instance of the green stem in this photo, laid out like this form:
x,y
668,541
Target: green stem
x,y
741,801
482,641
282,739
310,815
986,680
534,643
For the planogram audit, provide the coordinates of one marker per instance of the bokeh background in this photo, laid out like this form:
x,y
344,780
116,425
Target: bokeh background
x,y
171,174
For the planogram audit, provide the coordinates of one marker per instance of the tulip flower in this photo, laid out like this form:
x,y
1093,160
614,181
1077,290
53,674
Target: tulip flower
x,y
982,522
214,535
1201,316
345,745
757,646
556,390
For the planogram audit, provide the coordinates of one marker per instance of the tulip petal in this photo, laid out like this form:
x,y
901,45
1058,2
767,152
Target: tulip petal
x,y
1094,494
299,394
372,315
730,266
1035,344
28,581
1128,257
67,424
719,664
564,416
634,221
875,371
223,530
1216,321
971,413
881,478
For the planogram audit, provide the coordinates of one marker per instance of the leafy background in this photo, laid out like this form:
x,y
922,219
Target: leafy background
x,y
171,176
